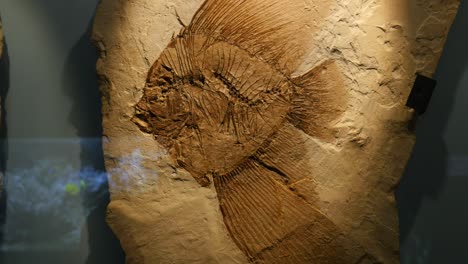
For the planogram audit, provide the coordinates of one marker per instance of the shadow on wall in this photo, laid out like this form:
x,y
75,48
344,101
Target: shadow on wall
x,y
65,21
4,86
81,85
441,236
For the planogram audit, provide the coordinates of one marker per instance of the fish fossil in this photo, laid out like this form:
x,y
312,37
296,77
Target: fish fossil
x,y
222,99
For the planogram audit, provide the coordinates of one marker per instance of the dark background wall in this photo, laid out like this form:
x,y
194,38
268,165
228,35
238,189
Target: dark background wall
x,y
54,130
433,193
53,113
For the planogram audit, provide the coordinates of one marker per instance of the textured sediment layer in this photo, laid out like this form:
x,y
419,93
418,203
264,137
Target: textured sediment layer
x,y
230,171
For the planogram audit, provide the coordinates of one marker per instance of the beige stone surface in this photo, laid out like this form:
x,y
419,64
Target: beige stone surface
x,y
161,213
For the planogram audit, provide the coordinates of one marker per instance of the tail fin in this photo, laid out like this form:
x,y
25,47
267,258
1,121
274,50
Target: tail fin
x,y
319,100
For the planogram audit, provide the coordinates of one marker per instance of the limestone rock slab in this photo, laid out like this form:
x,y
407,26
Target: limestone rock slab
x,y
261,131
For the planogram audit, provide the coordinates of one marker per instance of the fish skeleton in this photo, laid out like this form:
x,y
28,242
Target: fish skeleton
x,y
223,100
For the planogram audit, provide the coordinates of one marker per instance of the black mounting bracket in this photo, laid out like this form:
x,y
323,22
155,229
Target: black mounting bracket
x,y
421,93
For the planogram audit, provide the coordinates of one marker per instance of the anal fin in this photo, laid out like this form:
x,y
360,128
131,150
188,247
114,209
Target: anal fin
x,y
271,224
320,99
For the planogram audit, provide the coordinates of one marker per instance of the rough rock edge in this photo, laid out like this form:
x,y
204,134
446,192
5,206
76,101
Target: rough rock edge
x,y
396,125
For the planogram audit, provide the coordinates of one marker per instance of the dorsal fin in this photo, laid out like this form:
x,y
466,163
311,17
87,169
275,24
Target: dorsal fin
x,y
276,31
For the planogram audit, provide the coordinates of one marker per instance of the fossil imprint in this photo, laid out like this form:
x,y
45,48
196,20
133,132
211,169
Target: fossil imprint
x,y
222,99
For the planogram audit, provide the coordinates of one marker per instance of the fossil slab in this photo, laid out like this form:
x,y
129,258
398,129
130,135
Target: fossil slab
x,y
261,131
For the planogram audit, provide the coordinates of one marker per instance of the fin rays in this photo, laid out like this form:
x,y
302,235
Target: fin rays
x,y
268,29
319,100
272,224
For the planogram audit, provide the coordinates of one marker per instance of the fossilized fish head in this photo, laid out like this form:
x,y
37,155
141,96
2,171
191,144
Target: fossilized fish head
x,y
212,106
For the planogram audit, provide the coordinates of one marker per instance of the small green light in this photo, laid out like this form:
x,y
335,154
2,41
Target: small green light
x,y
72,189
